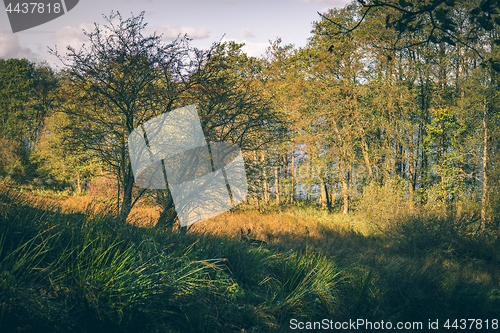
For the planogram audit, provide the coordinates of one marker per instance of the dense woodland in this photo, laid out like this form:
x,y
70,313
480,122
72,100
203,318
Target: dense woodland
x,y
372,163
394,113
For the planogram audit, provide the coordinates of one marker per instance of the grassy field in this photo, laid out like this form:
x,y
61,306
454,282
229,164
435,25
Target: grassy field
x,y
67,265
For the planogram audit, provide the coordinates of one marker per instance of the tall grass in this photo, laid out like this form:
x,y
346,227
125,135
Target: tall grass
x,y
87,272
81,270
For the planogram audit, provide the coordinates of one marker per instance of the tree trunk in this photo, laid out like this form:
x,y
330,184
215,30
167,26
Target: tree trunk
x,y
167,216
335,183
324,200
284,175
127,193
277,185
345,194
345,187
366,156
292,196
484,198
328,202
265,185
333,194
388,163
398,156
411,177
309,177
78,184
256,185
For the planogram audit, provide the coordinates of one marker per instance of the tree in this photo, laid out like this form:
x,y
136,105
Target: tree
x,y
338,72
118,82
63,160
123,79
27,92
438,19
284,78
231,105
229,98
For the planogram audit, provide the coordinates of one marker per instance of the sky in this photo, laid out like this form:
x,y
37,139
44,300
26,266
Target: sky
x,y
253,22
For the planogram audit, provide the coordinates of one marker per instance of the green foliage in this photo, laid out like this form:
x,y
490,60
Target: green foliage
x,y
444,134
439,232
16,86
61,159
26,97
10,164
372,119
229,97
304,285
433,21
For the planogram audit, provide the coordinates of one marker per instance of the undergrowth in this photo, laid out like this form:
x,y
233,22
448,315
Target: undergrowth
x,y
85,271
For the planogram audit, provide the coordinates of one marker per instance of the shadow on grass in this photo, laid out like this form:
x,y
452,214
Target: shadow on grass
x,y
90,273
422,268
87,272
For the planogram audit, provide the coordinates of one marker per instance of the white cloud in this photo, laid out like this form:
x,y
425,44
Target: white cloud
x,y
11,48
255,49
71,36
246,33
251,49
171,32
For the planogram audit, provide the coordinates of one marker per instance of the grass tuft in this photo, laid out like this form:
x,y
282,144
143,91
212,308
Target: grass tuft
x,y
68,265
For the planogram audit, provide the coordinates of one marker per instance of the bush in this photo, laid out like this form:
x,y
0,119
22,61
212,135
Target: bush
x,y
383,204
444,234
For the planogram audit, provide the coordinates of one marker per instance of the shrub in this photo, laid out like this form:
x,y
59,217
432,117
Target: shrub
x,y
382,204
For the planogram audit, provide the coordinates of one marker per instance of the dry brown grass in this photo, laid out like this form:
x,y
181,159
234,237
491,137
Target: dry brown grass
x,y
292,229
141,215
286,227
